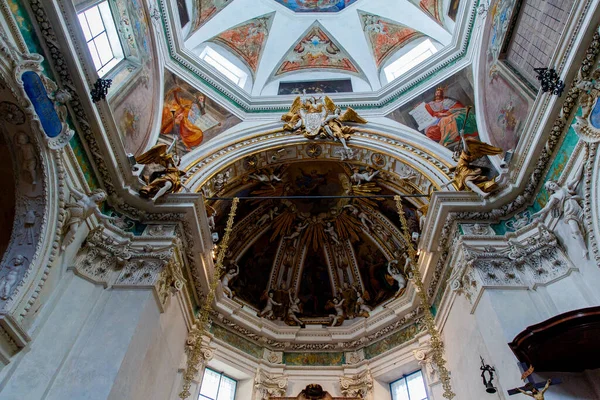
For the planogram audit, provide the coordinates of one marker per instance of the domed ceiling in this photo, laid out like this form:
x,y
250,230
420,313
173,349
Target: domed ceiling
x,y
316,5
315,244
333,46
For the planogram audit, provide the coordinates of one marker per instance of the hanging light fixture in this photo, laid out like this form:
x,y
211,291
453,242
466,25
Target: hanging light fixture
x,y
488,381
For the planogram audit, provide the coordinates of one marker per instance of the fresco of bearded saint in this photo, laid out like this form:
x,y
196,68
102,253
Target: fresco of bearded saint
x,y
179,115
451,115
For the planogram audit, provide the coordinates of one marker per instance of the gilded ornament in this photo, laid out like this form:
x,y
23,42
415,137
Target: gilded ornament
x,y
437,345
320,118
161,174
196,351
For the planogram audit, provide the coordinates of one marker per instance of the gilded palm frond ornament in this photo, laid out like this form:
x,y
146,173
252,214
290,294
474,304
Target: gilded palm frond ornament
x,y
320,118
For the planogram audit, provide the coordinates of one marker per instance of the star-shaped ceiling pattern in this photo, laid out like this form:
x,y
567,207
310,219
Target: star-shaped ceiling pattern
x,y
352,37
316,5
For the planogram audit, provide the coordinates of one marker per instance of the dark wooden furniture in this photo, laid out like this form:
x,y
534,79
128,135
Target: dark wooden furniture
x,y
569,342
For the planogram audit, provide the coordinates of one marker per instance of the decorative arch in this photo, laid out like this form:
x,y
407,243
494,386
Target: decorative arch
x,y
39,194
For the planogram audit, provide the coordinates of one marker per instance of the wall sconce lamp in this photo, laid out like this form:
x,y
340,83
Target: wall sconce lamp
x,y
488,381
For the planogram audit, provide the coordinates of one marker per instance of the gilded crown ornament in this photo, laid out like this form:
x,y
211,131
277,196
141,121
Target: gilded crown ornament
x,y
320,118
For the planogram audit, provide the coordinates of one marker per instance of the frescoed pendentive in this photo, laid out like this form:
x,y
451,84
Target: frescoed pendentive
x,y
190,116
316,50
433,8
441,112
247,40
385,37
205,10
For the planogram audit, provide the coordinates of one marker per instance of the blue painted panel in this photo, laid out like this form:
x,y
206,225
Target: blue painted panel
x,y
315,5
44,107
595,116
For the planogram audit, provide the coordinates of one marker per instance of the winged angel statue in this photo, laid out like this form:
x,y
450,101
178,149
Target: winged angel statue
x,y
161,174
318,118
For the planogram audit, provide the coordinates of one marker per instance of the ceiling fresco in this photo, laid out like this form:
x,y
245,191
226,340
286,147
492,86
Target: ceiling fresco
x,y
247,40
316,50
316,5
330,257
190,116
433,8
442,111
385,36
279,39
205,10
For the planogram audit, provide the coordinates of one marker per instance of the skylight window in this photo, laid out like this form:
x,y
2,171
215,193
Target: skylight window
x,y
101,36
216,386
224,66
411,59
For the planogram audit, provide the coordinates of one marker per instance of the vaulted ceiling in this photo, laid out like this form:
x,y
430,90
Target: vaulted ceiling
x,y
295,40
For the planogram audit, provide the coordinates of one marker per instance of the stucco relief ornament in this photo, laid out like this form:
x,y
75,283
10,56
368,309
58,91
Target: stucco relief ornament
x,y
79,209
565,203
8,281
268,385
587,126
320,118
357,386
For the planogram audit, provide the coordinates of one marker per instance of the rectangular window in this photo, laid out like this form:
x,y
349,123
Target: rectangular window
x,y
101,36
216,386
224,66
411,59
534,34
409,387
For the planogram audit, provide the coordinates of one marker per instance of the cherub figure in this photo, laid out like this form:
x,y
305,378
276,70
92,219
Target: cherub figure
x,y
330,229
211,218
360,215
8,281
531,391
362,308
263,177
268,216
392,269
298,230
165,176
267,312
367,176
81,209
564,202
27,156
227,278
468,176
338,317
294,309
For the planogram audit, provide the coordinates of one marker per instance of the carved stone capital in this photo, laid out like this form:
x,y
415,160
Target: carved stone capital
x,y
359,385
424,356
269,385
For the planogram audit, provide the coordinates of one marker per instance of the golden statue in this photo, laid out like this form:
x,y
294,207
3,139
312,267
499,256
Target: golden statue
x,y
531,391
468,176
321,118
163,175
